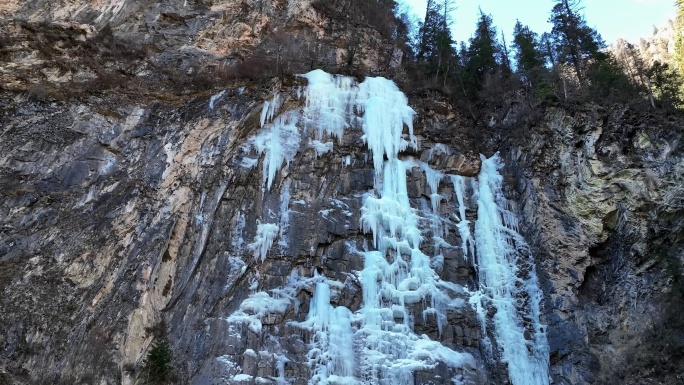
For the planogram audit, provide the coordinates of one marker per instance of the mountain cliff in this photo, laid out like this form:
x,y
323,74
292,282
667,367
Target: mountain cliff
x,y
159,190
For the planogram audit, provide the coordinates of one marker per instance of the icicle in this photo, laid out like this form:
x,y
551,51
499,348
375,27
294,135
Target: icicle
x,y
263,240
385,112
280,143
285,197
398,273
281,360
269,110
332,353
443,148
329,103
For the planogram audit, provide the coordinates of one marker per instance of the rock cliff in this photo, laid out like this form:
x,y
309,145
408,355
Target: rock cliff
x,y
134,195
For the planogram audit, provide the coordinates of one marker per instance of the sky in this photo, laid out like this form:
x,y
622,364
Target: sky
x,y
628,19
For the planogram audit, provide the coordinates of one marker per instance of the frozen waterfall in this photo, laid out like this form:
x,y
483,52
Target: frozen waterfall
x,y
508,283
397,275
376,344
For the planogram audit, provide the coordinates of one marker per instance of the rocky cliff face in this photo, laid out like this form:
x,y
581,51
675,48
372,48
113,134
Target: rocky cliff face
x,y
600,194
130,214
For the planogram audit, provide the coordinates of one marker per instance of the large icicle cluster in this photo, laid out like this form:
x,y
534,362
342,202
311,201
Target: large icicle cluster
x,y
266,233
330,102
385,112
508,283
398,274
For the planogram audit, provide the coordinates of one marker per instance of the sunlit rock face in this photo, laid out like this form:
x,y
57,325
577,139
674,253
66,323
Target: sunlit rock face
x,y
269,232
60,42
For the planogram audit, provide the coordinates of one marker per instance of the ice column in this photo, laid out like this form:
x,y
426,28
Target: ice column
x,y
508,283
332,355
280,142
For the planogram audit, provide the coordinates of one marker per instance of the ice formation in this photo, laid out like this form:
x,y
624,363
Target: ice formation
x,y
242,378
321,148
266,233
385,112
285,197
329,107
397,274
332,353
256,307
508,283
269,110
377,344
260,305
280,142
329,104
214,98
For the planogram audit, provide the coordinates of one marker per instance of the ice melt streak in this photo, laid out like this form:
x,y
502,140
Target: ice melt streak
x,y
463,225
214,98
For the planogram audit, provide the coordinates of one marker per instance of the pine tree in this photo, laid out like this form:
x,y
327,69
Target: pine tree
x,y
506,67
632,63
679,36
528,55
481,56
436,44
608,81
574,41
666,85
546,45
156,368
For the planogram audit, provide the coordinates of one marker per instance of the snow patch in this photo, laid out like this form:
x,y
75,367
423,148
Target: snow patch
x,y
242,377
249,162
321,148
